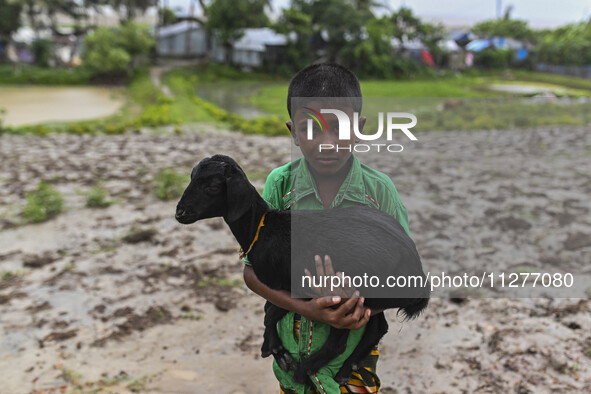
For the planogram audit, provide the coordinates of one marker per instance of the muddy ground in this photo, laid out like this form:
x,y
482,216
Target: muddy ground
x,y
126,299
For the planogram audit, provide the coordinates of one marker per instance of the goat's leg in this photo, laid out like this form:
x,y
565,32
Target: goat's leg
x,y
271,341
375,329
335,344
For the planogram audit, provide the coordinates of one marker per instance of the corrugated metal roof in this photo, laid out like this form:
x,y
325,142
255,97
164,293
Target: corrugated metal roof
x,y
178,28
255,39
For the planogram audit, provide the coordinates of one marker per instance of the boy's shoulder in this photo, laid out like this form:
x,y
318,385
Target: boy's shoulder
x,y
375,182
380,186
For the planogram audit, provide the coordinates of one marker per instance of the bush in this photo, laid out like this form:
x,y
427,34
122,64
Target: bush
x,y
493,58
42,204
114,52
43,76
97,198
42,51
170,185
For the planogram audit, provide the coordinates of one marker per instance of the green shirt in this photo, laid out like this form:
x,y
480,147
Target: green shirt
x,y
292,187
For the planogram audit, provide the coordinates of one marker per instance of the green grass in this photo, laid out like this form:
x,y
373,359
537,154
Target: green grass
x,y
34,75
426,97
97,198
476,108
554,79
42,204
220,282
169,185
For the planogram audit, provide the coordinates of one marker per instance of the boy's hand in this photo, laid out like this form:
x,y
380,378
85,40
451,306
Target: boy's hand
x,y
350,314
326,270
343,309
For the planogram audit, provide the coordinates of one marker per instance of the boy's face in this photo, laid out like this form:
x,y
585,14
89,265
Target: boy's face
x,y
325,161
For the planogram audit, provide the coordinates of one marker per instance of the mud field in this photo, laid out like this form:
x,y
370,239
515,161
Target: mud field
x,y
124,299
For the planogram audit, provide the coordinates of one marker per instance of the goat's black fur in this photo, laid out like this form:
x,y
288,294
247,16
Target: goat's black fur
x,y
377,244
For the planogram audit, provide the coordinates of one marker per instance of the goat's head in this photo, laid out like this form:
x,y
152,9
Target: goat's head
x,y
218,187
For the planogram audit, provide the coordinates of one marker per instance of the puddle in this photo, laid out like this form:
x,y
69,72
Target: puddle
x,y
26,105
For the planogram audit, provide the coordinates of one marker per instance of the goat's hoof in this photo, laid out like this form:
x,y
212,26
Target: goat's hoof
x,y
285,361
265,354
342,378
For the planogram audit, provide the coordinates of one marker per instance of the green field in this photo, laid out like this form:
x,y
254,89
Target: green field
x,y
449,102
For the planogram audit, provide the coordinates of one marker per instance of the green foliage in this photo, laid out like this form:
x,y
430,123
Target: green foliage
x,y
169,185
568,45
487,114
97,198
33,75
114,51
138,385
9,19
493,58
504,27
129,9
167,16
266,125
229,17
135,39
103,54
42,50
354,37
43,203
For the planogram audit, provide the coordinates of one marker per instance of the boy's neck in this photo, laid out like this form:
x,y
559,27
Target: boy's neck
x,y
328,185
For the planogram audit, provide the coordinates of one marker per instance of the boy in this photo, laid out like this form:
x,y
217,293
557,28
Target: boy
x,y
325,178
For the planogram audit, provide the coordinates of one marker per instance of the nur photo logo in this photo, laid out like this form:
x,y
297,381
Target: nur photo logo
x,y
344,129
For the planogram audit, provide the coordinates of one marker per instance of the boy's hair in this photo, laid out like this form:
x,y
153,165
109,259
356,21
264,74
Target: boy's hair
x,y
325,80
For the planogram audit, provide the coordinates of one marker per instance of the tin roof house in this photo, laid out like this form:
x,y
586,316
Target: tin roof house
x,y
253,49
186,39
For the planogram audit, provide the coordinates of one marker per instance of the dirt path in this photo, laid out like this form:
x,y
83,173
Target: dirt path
x,y
124,298
156,72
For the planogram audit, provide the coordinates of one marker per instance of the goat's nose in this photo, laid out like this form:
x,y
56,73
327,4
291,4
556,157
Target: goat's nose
x,y
180,212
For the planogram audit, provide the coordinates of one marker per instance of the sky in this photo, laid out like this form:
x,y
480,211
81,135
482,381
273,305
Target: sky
x,y
539,13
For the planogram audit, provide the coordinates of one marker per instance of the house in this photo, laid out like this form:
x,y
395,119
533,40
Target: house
x,y
186,38
253,49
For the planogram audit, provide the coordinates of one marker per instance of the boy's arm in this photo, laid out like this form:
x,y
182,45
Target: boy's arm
x,y
350,315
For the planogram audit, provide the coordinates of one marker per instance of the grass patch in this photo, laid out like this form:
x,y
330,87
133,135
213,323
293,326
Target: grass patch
x,y
34,75
220,282
191,316
97,198
11,275
138,385
169,185
43,204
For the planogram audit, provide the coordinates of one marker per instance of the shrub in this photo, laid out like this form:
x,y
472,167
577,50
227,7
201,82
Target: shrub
x,y
170,185
43,203
97,198
114,51
493,58
42,51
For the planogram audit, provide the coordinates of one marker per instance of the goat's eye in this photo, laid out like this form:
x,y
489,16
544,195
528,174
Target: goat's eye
x,y
213,189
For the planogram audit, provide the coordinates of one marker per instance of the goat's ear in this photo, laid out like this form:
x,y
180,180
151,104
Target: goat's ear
x,y
239,196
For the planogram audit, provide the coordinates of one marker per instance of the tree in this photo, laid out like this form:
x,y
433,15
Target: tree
x,y
168,16
504,27
294,22
115,51
129,9
227,20
569,45
9,23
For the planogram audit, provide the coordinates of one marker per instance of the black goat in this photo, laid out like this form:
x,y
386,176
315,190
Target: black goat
x,y
369,242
